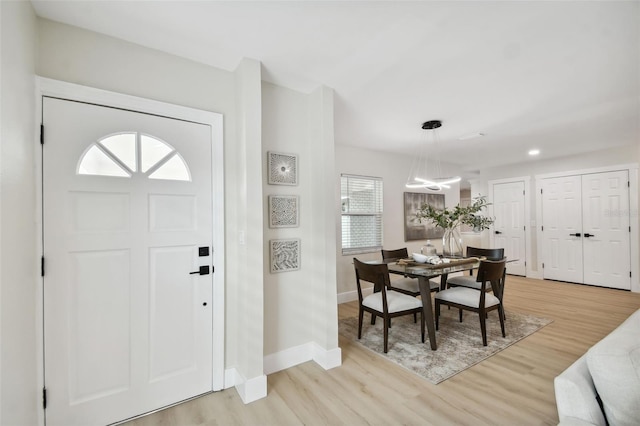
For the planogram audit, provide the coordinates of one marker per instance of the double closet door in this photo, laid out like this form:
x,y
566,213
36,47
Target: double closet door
x,y
586,231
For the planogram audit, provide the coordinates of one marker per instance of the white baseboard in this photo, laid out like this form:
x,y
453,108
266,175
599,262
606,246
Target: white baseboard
x,y
231,376
291,357
350,296
249,390
327,359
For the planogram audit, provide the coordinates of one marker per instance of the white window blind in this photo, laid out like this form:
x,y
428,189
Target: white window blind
x,y
361,214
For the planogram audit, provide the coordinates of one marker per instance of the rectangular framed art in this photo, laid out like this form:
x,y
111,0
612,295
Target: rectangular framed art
x,y
285,255
413,229
283,211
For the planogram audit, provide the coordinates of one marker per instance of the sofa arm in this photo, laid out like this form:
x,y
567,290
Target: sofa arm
x,y
576,396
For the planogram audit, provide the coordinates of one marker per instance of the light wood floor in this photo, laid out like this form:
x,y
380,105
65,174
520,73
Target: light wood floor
x,y
514,387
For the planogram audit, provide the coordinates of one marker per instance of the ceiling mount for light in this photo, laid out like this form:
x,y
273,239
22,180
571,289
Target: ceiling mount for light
x,y
426,171
430,125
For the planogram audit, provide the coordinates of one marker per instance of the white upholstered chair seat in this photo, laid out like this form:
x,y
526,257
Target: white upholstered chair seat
x,y
465,281
396,302
411,284
467,297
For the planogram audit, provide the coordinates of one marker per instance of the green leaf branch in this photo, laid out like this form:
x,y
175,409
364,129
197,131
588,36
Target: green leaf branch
x,y
452,218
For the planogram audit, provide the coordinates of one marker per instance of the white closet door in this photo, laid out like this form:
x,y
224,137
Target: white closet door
x,y
605,225
508,228
562,225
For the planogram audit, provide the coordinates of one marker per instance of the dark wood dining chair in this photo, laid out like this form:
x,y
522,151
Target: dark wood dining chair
x,y
384,302
469,280
491,272
406,285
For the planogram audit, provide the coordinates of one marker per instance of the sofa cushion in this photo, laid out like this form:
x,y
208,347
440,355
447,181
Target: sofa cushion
x,y
576,396
614,364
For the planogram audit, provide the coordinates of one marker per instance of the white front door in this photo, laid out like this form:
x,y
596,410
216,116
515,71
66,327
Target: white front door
x,y
127,203
508,228
562,228
605,225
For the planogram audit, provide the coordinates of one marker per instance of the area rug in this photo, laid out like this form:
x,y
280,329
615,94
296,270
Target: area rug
x,y
459,343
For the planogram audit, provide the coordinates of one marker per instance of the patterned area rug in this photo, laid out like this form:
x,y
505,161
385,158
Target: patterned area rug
x,y
459,344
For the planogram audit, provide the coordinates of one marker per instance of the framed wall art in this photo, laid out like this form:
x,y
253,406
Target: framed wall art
x,y
414,229
282,168
285,255
283,211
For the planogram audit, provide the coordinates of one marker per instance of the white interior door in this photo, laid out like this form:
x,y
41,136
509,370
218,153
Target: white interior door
x,y
605,225
127,202
509,227
562,226
586,229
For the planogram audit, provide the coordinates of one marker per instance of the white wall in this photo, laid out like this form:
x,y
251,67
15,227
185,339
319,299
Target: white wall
x,y
394,170
300,306
18,260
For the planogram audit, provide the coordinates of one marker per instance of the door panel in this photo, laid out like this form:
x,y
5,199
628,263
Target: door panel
x,y
607,259
562,217
509,232
127,201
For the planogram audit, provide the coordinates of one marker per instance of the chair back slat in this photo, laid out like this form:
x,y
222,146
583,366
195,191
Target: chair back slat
x,y
377,274
489,253
395,254
492,271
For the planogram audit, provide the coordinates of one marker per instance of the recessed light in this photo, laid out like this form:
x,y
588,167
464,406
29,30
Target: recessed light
x,y
470,136
533,152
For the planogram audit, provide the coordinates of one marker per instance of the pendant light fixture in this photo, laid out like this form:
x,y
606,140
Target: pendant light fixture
x,y
427,171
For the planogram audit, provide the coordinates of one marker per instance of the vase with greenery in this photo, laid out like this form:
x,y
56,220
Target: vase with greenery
x,y
451,219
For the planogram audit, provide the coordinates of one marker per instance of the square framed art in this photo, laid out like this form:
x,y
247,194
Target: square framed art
x,y
283,168
285,255
284,211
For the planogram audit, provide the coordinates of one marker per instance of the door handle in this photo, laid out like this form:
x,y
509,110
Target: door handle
x,y
577,234
497,232
204,270
587,235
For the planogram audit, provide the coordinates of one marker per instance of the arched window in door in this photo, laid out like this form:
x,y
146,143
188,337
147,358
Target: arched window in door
x,y
123,154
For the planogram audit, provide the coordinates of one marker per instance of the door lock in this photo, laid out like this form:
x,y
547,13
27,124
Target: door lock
x,y
204,270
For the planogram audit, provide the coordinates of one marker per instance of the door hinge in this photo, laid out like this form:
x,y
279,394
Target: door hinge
x,y
542,265
525,263
524,228
541,190
523,192
42,134
44,398
213,269
542,228
42,266
629,274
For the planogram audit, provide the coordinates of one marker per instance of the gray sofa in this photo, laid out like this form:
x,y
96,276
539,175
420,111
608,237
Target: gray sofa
x,y
603,386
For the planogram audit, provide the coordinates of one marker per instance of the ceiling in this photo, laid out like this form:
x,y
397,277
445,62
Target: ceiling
x,y
560,76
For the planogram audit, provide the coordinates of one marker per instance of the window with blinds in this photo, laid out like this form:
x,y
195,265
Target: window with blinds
x,y
361,214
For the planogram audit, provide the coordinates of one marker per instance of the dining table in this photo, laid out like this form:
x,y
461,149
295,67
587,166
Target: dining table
x,y
424,272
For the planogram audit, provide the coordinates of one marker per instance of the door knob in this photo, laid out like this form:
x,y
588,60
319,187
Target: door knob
x,y
204,270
